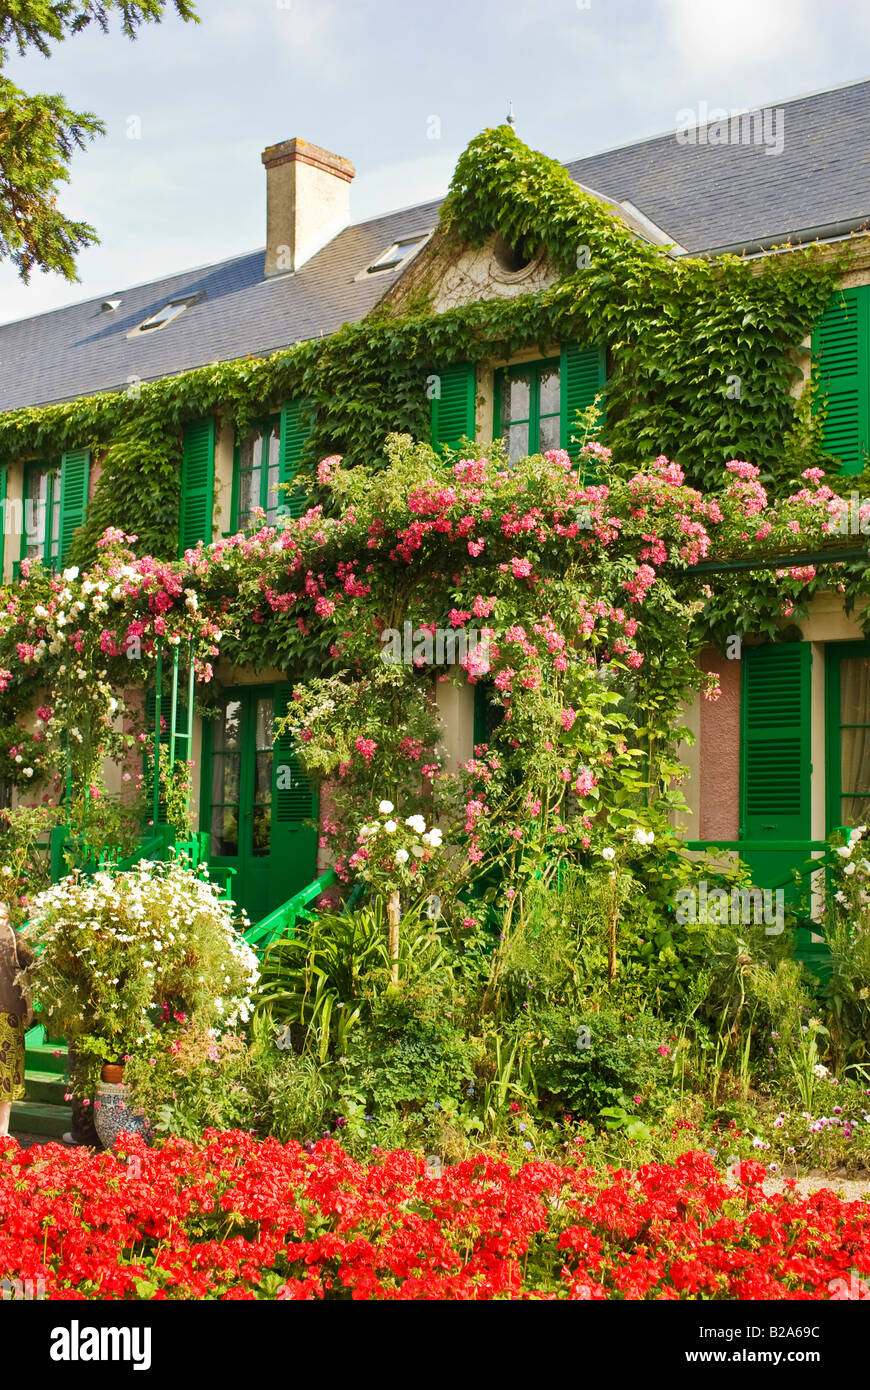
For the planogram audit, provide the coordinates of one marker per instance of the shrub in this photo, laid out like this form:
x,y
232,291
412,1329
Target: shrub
x,y
121,955
595,1061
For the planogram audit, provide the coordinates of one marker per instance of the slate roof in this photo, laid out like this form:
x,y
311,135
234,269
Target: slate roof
x,y
78,350
713,197
707,197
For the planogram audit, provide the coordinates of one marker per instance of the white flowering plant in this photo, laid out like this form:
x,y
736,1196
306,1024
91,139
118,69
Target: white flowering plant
x,y
847,934
120,957
395,852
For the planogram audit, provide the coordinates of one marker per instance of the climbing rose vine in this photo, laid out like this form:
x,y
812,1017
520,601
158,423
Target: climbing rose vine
x,y
564,589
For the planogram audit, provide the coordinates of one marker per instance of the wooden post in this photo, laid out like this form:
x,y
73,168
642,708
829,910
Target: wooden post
x,y
393,913
613,920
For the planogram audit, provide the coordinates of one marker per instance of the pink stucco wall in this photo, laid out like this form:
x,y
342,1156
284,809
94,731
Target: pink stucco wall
x,y
325,859
720,751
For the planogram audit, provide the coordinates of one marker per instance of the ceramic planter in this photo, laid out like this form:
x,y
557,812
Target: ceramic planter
x,y
113,1113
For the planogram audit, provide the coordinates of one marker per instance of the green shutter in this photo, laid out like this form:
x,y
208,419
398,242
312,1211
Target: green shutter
x,y
296,425
581,380
775,766
75,472
293,803
4,472
841,352
453,407
197,485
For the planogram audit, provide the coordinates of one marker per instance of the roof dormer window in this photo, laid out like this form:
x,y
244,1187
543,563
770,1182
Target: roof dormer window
x,y
166,315
397,253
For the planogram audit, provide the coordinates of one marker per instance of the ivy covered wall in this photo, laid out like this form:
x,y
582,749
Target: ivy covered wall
x,y
677,332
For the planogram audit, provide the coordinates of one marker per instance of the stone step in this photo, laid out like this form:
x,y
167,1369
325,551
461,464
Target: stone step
x,y
32,1117
47,1057
45,1086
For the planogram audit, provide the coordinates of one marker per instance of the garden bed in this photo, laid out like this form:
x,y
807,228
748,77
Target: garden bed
x,y
234,1218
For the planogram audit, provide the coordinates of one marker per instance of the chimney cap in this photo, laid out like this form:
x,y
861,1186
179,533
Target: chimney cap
x,y
302,151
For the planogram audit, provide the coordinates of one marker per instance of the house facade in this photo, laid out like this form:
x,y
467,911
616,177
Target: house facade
x,y
783,756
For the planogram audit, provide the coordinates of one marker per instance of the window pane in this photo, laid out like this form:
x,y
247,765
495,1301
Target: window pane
x,y
227,727
265,724
518,441
225,831
250,475
855,760
855,810
262,830
54,488
549,391
273,498
516,396
549,433
225,779
855,690
37,510
263,778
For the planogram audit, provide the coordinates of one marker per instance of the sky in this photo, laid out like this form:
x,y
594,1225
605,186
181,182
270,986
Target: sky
x,y
399,87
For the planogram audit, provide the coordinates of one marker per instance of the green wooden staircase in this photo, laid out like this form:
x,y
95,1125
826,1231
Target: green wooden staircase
x,y
43,1112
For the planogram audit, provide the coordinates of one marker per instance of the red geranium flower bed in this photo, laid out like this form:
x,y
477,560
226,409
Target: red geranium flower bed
x,y
234,1217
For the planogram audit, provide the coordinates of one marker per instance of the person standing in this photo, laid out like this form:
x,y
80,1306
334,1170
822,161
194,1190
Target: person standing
x,y
15,956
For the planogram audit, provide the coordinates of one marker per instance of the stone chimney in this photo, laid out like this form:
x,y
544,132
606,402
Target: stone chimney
x,y
307,202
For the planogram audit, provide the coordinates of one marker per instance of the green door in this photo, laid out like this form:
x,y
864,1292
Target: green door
x,y
256,800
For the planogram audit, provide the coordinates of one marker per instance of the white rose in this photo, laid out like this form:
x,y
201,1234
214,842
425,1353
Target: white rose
x,y
416,823
390,826
71,574
401,856
385,808
608,853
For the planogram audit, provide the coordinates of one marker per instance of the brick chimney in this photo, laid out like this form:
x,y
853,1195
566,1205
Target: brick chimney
x,y
307,202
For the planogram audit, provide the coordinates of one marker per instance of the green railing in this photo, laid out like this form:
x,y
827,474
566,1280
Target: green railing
x,y
808,857
69,851
800,850
284,918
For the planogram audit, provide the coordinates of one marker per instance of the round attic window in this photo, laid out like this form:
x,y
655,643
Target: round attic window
x,y
508,258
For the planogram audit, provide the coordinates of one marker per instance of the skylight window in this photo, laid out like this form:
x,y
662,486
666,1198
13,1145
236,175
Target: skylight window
x,y
396,254
165,316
